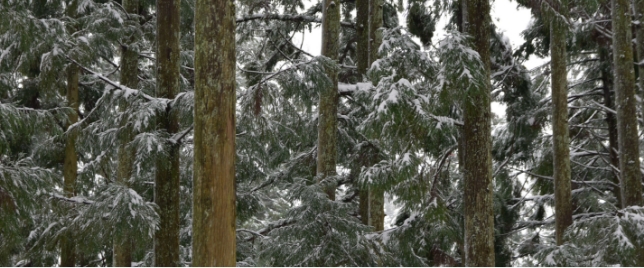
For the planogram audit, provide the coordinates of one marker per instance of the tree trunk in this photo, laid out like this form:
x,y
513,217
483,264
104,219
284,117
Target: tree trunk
x,y
629,163
166,181
611,121
213,223
328,107
479,214
129,78
70,165
561,138
68,256
369,21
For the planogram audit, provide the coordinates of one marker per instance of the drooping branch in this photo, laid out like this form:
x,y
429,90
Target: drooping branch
x,y
287,17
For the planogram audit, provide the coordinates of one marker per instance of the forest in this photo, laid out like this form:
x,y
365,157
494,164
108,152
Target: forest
x,y
205,133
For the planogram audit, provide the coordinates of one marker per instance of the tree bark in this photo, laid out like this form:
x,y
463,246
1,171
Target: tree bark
x,y
129,77
166,181
639,27
479,220
611,121
362,32
561,138
328,106
629,163
213,223
70,165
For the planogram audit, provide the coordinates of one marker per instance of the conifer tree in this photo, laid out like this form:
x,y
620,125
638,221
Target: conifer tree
x,y
129,77
478,206
561,153
329,96
213,221
166,183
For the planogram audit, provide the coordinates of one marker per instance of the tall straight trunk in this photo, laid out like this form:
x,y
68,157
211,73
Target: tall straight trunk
x,y
629,163
328,106
213,225
67,244
479,214
166,180
129,78
70,165
560,136
369,19
611,121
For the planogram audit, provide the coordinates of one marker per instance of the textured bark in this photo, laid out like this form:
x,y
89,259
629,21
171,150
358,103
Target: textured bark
x,y
213,223
70,165
629,163
375,31
561,138
166,181
328,106
479,221
129,77
611,121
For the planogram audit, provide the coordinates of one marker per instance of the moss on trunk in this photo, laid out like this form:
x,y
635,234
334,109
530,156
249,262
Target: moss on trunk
x,y
213,223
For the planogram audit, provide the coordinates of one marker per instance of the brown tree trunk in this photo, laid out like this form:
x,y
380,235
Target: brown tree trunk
x,y
479,214
369,22
213,223
166,181
70,165
129,78
611,121
629,163
561,138
328,106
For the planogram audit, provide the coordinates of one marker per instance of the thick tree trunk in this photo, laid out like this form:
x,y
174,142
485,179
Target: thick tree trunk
x,y
70,165
328,106
479,214
629,163
166,181
129,77
362,32
561,138
611,121
213,223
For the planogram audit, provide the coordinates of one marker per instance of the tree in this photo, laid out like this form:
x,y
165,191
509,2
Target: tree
x,y
631,176
561,140
329,96
70,168
213,225
166,183
369,20
479,216
639,17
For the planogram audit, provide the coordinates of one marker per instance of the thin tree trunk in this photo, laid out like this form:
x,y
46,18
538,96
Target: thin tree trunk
x,y
479,214
629,163
561,138
70,166
328,107
611,121
70,169
129,77
166,182
369,21
213,223
639,11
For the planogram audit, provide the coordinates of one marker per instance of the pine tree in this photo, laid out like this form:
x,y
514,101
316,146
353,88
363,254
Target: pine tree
x,y
479,218
166,183
213,218
561,140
